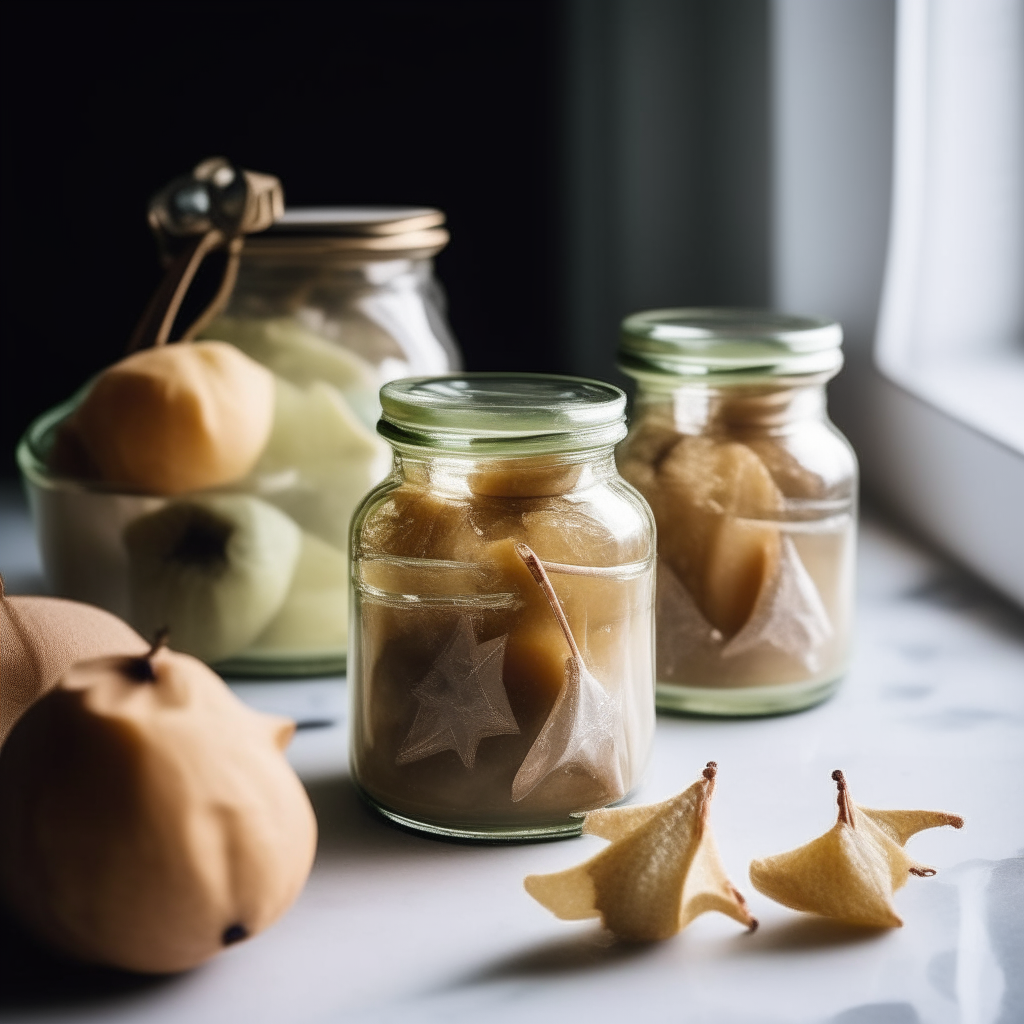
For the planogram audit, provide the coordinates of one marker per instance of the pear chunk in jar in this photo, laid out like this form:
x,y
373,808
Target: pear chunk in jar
x,y
502,676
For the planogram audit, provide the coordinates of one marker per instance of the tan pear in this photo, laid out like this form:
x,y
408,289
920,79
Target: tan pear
x,y
149,817
851,872
176,418
661,871
42,637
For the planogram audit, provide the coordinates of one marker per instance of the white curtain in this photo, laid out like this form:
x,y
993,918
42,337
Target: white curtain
x,y
951,326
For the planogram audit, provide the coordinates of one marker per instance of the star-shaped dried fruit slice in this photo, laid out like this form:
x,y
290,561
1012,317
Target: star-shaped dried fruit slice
x,y
582,727
462,700
851,872
661,871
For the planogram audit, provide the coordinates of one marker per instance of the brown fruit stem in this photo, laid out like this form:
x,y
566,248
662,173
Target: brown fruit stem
x,y
847,814
738,896
533,563
710,772
140,670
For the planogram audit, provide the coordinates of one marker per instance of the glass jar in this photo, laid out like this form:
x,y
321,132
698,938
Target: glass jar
x,y
755,495
335,302
502,667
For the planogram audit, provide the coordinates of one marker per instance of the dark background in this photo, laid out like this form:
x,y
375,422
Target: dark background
x,y
449,104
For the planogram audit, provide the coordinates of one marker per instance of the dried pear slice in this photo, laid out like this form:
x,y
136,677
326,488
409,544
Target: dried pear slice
x,y
851,872
582,729
661,871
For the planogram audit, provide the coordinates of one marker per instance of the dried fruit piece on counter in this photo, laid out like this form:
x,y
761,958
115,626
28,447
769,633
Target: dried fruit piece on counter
x,y
149,817
42,637
851,872
175,418
661,871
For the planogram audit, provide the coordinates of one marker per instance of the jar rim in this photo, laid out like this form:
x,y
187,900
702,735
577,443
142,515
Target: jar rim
x,y
502,414
355,221
372,232
728,344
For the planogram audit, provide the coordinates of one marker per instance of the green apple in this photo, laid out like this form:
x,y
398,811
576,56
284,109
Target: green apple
x,y
214,571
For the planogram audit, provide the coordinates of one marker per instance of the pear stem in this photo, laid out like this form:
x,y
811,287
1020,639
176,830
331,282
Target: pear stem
x,y
159,642
709,774
533,563
141,669
847,815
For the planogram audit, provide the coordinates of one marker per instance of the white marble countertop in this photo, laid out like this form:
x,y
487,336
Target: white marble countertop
x,y
397,928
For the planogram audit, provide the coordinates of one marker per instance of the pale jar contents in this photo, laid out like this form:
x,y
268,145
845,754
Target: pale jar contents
x,y
502,652
754,494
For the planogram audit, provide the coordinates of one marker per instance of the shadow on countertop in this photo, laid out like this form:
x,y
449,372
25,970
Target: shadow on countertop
x,y
351,831
33,977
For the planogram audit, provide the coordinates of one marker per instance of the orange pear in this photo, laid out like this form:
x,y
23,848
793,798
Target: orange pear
x,y
176,418
661,871
149,817
851,872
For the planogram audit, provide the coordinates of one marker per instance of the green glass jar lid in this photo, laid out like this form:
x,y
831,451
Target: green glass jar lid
x,y
728,344
502,413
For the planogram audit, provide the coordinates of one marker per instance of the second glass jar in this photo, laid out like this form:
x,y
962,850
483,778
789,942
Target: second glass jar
x,y
501,667
755,495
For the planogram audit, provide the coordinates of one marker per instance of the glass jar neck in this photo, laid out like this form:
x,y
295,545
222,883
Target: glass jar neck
x,y
701,408
258,270
536,476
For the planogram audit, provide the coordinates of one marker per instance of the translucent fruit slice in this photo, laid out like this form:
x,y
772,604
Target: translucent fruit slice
x,y
582,730
851,872
661,871
314,426
314,616
293,351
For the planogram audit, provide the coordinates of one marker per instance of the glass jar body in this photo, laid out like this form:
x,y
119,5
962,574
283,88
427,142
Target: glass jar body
x,y
755,495
332,329
469,716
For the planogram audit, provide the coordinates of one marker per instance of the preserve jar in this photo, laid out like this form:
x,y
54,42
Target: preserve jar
x,y
335,302
754,492
502,665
